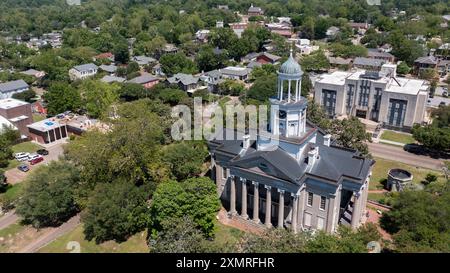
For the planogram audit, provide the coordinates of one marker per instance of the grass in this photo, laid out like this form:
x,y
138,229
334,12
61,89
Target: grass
x,y
226,235
135,244
397,137
9,233
37,117
12,192
382,167
26,147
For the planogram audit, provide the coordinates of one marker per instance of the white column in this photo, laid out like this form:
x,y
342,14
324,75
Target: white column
x,y
294,212
267,221
281,97
289,91
296,91
255,202
65,128
48,136
233,196
54,133
281,209
356,210
244,198
301,205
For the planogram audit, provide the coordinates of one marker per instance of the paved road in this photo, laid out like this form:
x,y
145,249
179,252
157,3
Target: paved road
x,y
8,219
51,235
398,154
15,176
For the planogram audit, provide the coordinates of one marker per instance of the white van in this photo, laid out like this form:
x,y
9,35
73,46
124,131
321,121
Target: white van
x,y
21,156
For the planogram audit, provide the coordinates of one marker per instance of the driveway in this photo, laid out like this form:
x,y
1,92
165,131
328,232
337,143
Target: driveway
x,y
15,176
398,154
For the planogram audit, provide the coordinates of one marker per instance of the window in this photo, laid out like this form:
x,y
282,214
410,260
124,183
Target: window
x,y
323,201
224,173
310,199
307,220
320,223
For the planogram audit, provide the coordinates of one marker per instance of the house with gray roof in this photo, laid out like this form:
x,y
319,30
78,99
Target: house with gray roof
x,y
292,175
368,63
143,60
111,79
186,82
375,53
236,73
83,71
110,69
146,80
7,89
255,11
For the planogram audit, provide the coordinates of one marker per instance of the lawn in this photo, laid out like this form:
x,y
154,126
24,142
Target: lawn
x,y
135,244
37,117
397,137
382,167
226,235
8,235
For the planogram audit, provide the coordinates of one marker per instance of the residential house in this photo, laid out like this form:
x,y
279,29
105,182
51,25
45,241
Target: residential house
x,y
146,80
255,11
8,89
202,35
223,7
83,71
236,73
378,54
340,62
368,63
332,32
186,82
35,73
110,69
267,58
112,78
360,28
293,175
143,60
104,56
426,62
212,79
395,102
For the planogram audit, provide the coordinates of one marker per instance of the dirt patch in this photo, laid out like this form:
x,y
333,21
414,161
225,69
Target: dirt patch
x,y
14,242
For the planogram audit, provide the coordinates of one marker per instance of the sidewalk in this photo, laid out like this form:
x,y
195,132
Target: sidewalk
x,y
391,142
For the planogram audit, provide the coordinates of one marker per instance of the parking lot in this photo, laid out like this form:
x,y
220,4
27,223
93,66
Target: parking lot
x,y
15,176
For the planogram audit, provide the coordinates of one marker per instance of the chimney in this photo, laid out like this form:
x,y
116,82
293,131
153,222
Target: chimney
x,y
327,140
246,142
312,155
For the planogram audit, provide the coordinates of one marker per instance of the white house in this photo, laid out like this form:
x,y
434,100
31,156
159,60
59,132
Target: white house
x,y
83,71
8,89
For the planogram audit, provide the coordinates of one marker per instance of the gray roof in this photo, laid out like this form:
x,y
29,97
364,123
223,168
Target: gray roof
x,y
333,163
143,79
185,79
86,67
291,66
426,60
374,52
254,64
273,57
108,68
235,72
30,72
13,86
143,60
254,9
368,62
250,56
110,79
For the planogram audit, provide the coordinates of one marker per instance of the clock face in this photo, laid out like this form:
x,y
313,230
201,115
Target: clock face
x,y
282,114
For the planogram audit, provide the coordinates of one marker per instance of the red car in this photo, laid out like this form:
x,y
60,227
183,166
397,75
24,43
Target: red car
x,y
36,160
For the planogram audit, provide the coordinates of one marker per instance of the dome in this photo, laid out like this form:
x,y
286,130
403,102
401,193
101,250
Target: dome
x,y
291,66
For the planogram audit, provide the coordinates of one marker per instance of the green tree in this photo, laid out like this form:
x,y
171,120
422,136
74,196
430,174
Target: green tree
x,y
7,137
307,86
178,235
49,195
317,115
316,61
62,97
132,91
432,137
185,159
116,211
98,97
403,68
419,222
195,197
231,87
28,96
350,133
263,88
177,63
121,53
207,59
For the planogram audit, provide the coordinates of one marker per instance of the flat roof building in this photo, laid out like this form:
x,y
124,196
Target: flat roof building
x,y
18,113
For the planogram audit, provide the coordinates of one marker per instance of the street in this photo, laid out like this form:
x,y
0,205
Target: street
x,y
398,154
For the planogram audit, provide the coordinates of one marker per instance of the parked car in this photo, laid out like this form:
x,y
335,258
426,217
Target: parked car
x,y
414,148
36,160
23,168
42,152
33,156
21,156
442,103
